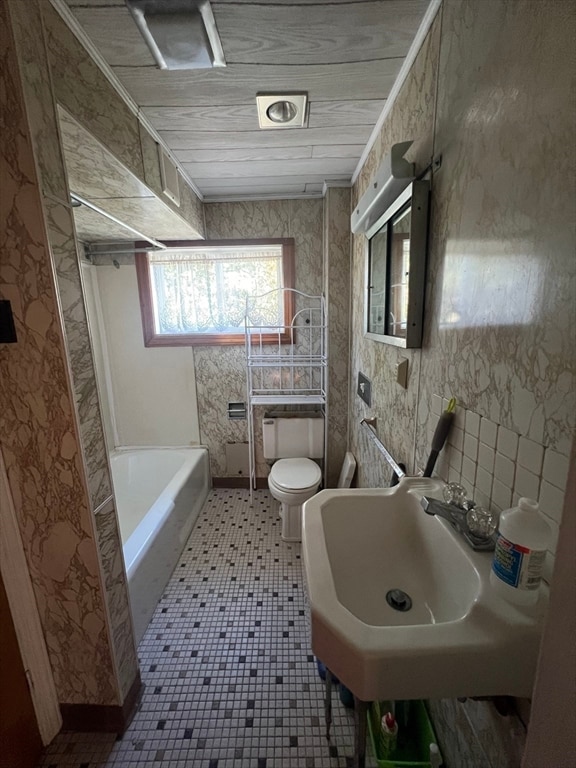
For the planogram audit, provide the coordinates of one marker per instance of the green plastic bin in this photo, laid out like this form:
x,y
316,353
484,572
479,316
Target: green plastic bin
x,y
413,745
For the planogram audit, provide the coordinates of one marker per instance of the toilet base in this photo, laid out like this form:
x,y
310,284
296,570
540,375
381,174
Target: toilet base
x,y
291,517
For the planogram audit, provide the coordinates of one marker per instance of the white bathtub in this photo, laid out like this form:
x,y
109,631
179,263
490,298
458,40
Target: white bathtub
x,y
159,494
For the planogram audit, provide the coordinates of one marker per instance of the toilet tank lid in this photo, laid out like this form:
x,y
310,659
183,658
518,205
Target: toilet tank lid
x,y
296,473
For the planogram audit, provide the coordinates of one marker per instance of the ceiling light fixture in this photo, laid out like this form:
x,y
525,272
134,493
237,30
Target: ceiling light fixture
x,y
181,34
282,110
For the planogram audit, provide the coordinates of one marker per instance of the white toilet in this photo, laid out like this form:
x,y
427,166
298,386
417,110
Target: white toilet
x,y
291,442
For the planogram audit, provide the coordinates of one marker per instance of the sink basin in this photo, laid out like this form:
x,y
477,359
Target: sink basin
x,y
458,638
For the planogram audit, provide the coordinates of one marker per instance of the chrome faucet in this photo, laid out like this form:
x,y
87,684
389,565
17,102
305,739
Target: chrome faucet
x,y
475,524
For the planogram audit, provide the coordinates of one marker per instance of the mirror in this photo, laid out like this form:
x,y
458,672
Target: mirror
x,y
396,262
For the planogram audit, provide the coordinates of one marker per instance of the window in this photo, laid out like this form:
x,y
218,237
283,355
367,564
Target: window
x,y
195,292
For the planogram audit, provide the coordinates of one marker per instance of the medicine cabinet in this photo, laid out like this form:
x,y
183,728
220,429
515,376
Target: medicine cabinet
x,y
396,247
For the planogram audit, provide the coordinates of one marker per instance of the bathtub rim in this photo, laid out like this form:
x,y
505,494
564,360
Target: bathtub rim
x,y
136,547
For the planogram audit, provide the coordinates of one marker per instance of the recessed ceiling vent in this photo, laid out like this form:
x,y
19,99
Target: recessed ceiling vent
x,y
282,110
181,34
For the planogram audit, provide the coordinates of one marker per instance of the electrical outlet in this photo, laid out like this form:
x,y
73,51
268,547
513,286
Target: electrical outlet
x,y
364,389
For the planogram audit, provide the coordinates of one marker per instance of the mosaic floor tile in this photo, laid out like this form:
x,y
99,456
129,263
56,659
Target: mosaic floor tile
x,y
230,679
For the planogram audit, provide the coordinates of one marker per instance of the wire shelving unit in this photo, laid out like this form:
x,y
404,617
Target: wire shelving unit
x,y
286,364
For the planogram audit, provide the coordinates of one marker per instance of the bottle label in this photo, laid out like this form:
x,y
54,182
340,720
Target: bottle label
x,y
518,566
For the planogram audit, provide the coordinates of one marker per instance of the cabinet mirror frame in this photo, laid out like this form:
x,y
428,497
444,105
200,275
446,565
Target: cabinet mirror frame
x,y
415,201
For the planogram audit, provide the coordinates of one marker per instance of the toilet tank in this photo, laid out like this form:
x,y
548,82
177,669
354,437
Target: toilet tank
x,y
293,437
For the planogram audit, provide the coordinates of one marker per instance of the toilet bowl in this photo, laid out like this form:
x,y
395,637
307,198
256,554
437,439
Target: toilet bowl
x,y
292,482
290,442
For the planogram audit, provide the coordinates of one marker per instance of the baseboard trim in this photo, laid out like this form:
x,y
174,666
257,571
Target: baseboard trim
x,y
103,718
238,482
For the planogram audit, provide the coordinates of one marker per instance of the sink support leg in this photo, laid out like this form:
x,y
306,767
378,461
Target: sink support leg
x,y
328,703
360,714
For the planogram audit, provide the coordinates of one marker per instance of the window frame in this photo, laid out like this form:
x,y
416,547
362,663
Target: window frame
x,y
153,339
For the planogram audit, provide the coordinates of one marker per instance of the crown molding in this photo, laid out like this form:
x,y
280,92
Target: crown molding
x,y
254,198
335,184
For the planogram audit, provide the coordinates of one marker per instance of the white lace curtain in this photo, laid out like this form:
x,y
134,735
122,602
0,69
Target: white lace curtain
x,y
204,291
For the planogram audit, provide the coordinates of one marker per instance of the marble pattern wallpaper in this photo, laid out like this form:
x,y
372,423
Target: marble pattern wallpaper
x,y
112,561
337,290
85,92
300,219
27,23
190,208
412,117
115,188
57,69
502,335
40,443
500,313
65,258
31,50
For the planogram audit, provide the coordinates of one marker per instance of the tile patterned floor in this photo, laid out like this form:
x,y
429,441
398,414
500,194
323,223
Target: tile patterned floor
x,y
230,678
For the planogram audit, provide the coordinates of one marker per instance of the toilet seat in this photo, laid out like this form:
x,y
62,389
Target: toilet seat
x,y
295,475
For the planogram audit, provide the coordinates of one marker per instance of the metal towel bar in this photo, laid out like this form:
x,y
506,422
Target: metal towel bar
x,y
365,423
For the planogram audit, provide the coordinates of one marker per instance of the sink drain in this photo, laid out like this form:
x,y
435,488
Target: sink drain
x,y
399,600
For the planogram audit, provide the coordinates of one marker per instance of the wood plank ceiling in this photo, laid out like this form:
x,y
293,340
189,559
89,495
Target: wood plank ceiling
x,y
345,54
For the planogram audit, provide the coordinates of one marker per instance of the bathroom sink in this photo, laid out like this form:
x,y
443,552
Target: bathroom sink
x,y
457,638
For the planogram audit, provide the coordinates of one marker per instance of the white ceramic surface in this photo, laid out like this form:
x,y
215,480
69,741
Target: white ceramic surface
x,y
159,494
458,639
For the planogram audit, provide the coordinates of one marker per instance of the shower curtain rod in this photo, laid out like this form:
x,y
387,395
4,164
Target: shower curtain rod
x,y
100,251
158,245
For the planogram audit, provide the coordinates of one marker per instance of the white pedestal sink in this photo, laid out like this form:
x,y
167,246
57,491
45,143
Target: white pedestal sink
x,y
459,638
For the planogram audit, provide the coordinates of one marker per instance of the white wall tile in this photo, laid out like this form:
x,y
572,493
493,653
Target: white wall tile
x,y
470,446
442,467
548,569
555,469
488,432
554,532
551,501
472,423
456,438
456,459
484,481
526,483
436,405
504,470
468,473
501,495
507,443
486,457
460,417
482,499
530,455
454,474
